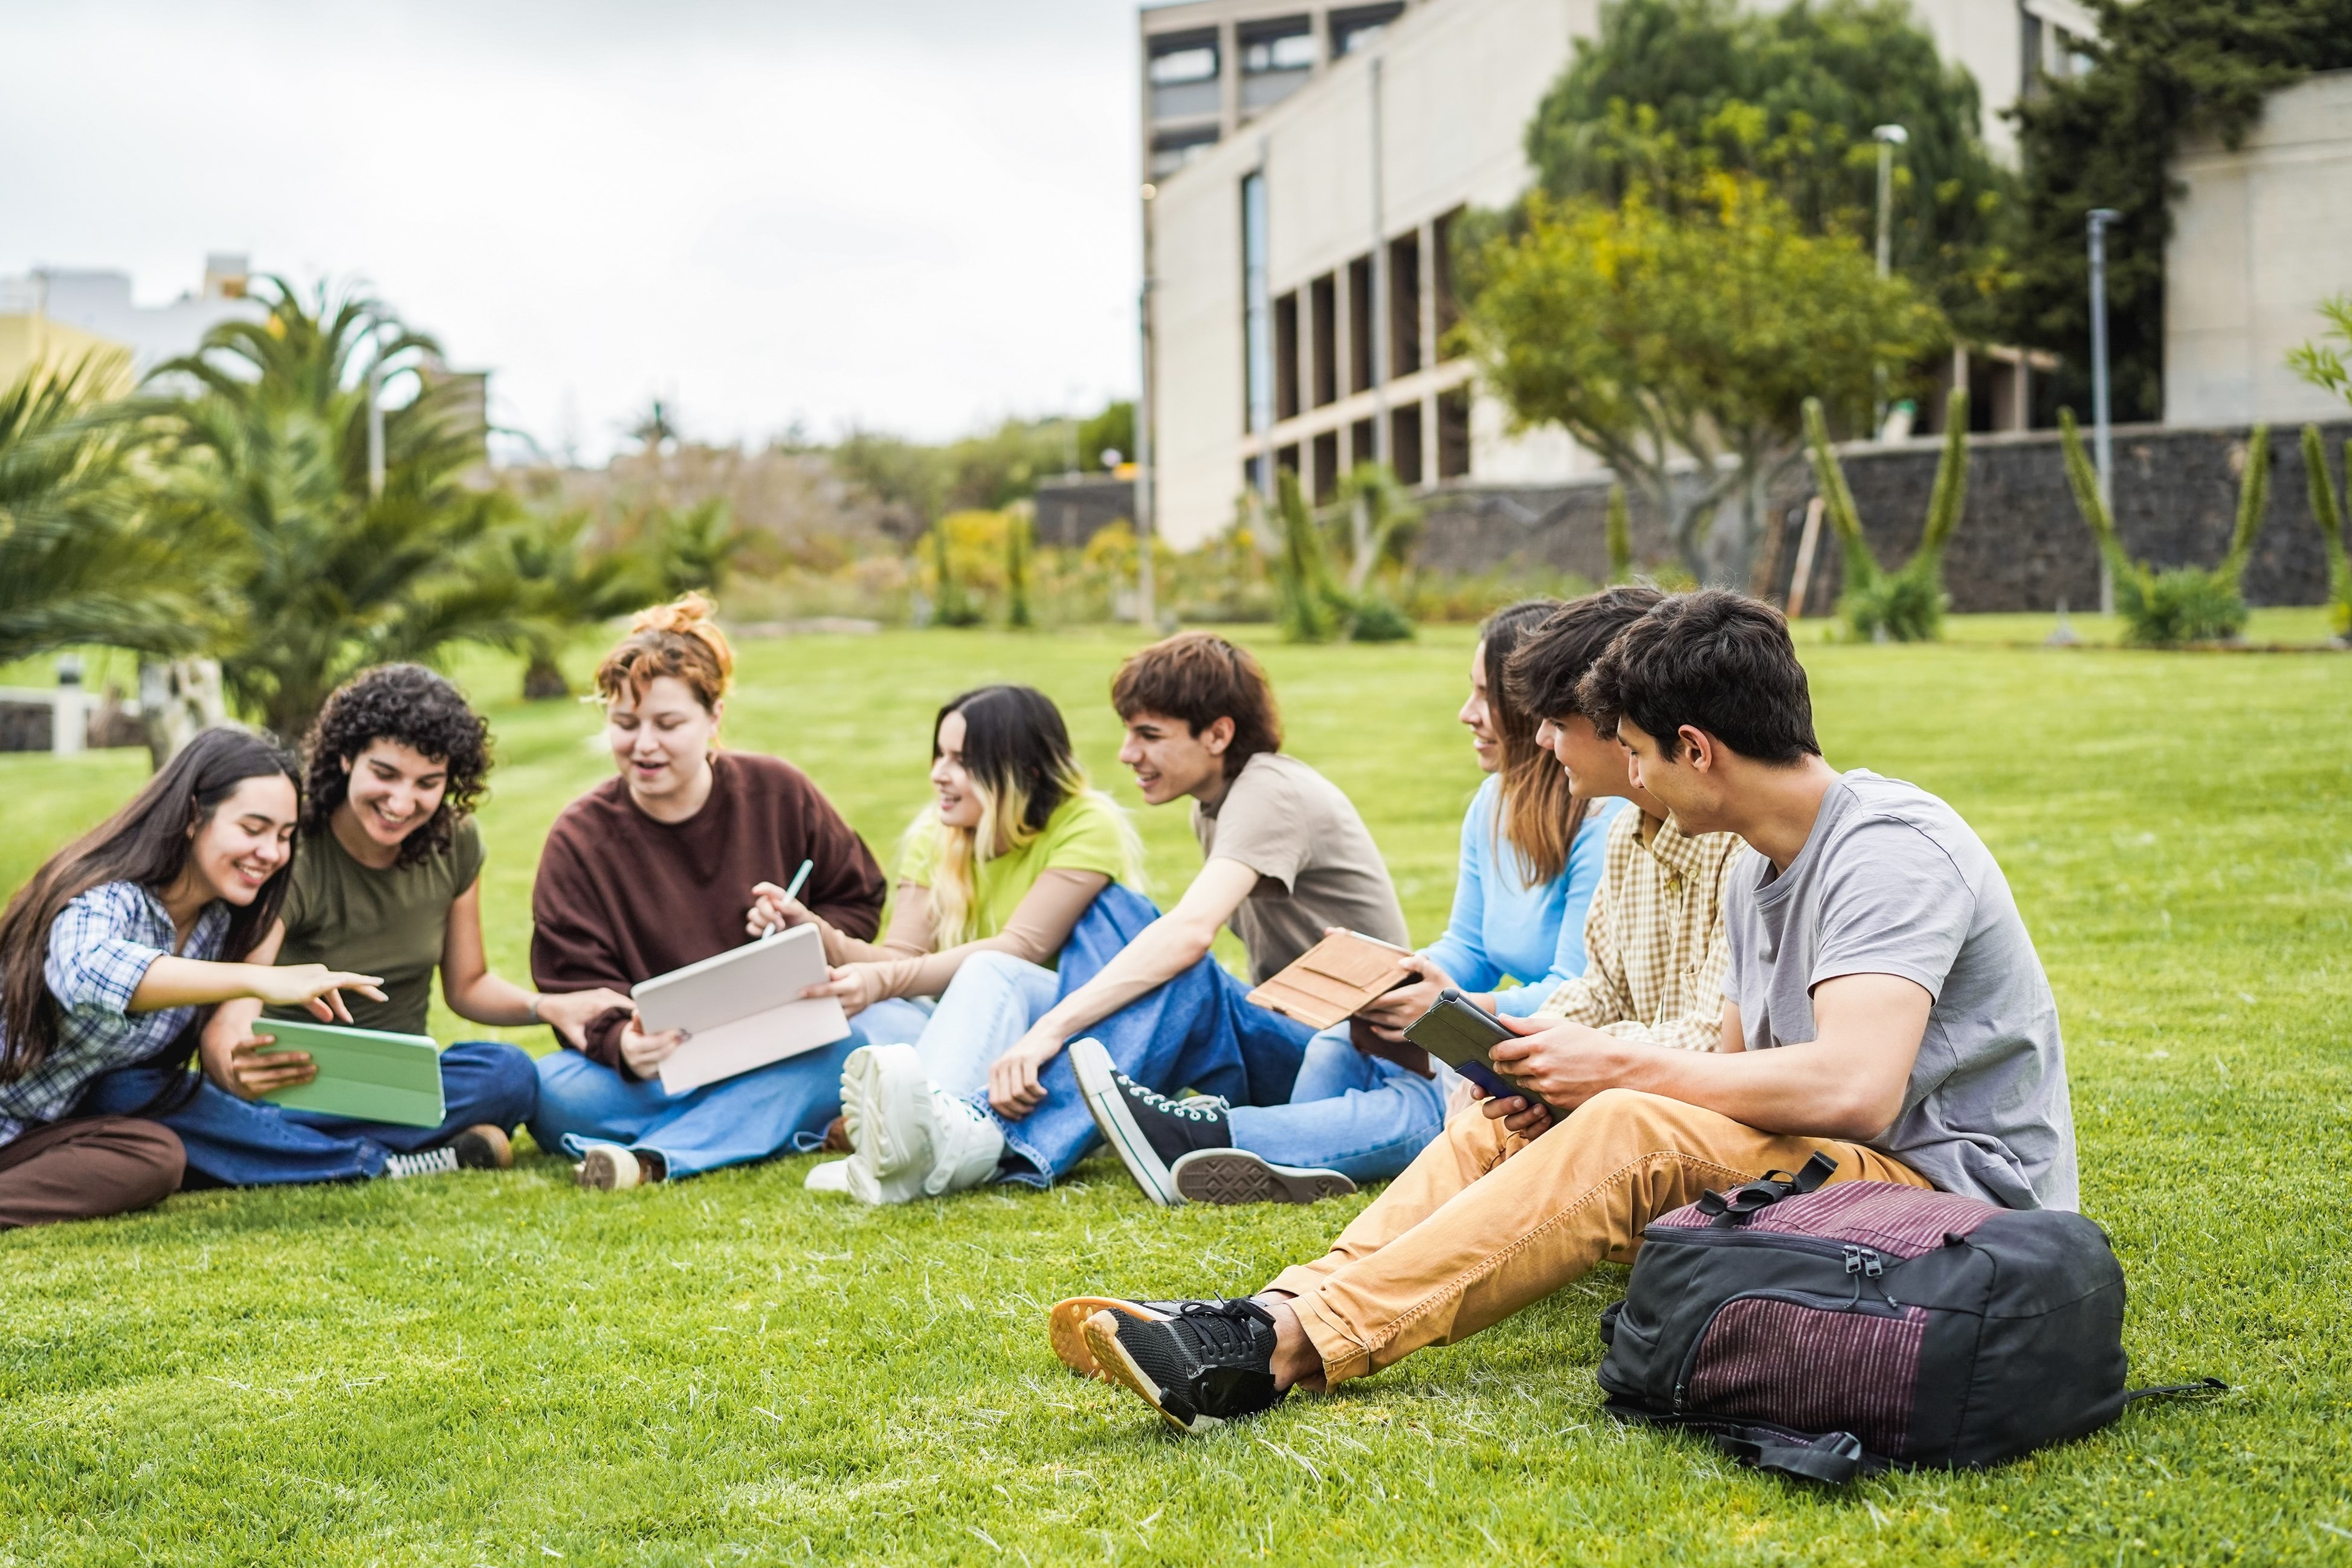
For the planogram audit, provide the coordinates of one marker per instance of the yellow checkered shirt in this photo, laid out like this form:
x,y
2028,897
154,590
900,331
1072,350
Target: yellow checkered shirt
x,y
1654,943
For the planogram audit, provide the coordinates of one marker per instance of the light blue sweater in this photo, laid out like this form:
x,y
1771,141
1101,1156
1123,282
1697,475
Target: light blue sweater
x,y
1501,926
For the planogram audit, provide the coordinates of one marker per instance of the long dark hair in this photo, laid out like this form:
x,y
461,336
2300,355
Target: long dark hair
x,y
1538,814
1017,751
147,843
411,705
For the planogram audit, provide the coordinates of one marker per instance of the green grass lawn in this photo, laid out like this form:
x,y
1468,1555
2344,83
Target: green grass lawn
x,y
504,1370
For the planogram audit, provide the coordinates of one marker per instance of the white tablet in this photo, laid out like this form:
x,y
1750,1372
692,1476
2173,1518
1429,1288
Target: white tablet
x,y
742,1009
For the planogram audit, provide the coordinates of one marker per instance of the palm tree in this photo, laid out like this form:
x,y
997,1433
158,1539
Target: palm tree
x,y
564,583
268,455
78,562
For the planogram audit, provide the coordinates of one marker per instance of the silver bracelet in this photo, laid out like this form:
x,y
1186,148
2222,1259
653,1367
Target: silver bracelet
x,y
532,1007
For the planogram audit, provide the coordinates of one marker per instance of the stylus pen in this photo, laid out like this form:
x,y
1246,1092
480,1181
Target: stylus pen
x,y
800,881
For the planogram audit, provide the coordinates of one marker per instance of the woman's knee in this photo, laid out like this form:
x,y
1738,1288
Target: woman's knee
x,y
508,1079
149,1161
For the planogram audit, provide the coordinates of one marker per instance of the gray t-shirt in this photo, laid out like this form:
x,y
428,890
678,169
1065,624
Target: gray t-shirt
x,y
1892,882
1316,863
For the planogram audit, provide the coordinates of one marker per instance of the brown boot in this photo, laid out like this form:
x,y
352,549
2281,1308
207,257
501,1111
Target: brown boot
x,y
836,1138
483,1149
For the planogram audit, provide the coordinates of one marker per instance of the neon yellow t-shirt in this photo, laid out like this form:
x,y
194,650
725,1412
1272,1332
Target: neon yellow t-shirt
x,y
1085,833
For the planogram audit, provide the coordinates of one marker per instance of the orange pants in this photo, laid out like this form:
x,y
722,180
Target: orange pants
x,y
1484,1222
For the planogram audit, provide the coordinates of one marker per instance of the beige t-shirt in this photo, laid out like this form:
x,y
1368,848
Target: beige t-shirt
x,y
1316,863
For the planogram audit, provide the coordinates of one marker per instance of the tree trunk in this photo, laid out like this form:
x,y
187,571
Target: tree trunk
x,y
543,680
176,699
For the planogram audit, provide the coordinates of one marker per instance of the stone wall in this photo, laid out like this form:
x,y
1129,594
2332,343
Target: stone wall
x,y
2021,545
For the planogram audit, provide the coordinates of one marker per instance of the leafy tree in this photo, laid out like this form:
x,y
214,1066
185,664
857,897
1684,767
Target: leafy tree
x,y
1791,95
1112,430
1652,331
693,548
2329,516
2161,69
954,605
2183,603
1905,605
79,562
268,456
563,583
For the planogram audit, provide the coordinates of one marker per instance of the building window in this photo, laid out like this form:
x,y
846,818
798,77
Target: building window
x,y
1404,442
1363,442
1257,324
1172,149
1326,467
1286,460
1360,324
1181,68
1277,60
1355,28
1286,357
1404,305
1443,304
1454,433
1323,323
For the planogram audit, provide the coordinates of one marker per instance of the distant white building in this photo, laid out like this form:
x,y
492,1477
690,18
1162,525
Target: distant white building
x,y
89,304
1298,238
2259,236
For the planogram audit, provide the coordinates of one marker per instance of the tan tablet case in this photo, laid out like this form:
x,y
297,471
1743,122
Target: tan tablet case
x,y
1333,979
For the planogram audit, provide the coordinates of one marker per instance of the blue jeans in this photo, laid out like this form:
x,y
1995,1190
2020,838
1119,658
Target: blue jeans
x,y
983,1013
1360,1115
1197,1031
248,1143
754,1115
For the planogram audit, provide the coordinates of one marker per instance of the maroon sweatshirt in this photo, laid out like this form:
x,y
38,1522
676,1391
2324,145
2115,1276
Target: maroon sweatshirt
x,y
622,897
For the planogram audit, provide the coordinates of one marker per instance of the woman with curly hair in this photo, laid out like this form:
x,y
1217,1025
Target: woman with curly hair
x,y
386,879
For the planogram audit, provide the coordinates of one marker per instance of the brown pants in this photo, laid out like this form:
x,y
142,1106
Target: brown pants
x,y
87,1168
1484,1222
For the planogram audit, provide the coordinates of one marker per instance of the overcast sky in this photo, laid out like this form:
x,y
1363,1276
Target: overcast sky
x,y
916,215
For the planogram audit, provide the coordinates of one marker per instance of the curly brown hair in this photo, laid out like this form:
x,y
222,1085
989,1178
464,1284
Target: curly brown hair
x,y
411,705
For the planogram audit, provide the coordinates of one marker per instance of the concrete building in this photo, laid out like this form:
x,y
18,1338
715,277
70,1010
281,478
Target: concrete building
x,y
1299,301
54,315
1211,67
2259,236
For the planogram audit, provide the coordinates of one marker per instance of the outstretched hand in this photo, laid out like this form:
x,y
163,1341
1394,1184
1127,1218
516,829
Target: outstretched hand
x,y
316,986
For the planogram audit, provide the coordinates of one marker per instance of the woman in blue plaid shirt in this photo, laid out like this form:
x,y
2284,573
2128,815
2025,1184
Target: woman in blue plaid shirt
x,y
111,956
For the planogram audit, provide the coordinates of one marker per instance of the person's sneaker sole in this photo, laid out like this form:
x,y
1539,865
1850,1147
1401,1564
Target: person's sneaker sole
x,y
607,1168
1236,1176
1119,1368
1107,1106
886,1109
483,1147
1066,1324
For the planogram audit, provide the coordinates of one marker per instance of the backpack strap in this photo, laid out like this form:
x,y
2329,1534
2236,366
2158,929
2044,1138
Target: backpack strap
x,y
1733,1208
2204,1387
1832,1459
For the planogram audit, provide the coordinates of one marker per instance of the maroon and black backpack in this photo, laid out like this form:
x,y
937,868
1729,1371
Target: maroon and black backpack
x,y
1827,1332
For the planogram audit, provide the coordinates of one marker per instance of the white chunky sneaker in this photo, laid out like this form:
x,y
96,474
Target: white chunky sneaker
x,y
885,1111
423,1163
910,1139
608,1167
833,1175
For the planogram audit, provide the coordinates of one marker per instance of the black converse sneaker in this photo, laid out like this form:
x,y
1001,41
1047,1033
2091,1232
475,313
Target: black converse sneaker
x,y
1205,1364
1066,1325
1149,1131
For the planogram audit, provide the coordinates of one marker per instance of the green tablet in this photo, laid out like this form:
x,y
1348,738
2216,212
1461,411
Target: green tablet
x,y
362,1073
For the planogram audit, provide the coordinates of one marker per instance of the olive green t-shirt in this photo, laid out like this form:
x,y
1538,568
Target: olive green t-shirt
x,y
391,923
1085,833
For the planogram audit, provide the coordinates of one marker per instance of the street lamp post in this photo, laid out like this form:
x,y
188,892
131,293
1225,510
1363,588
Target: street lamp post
x,y
1145,614
2101,444
1888,137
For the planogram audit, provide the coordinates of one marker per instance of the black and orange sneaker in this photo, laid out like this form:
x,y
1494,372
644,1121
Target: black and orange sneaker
x,y
1066,1325
1203,1365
